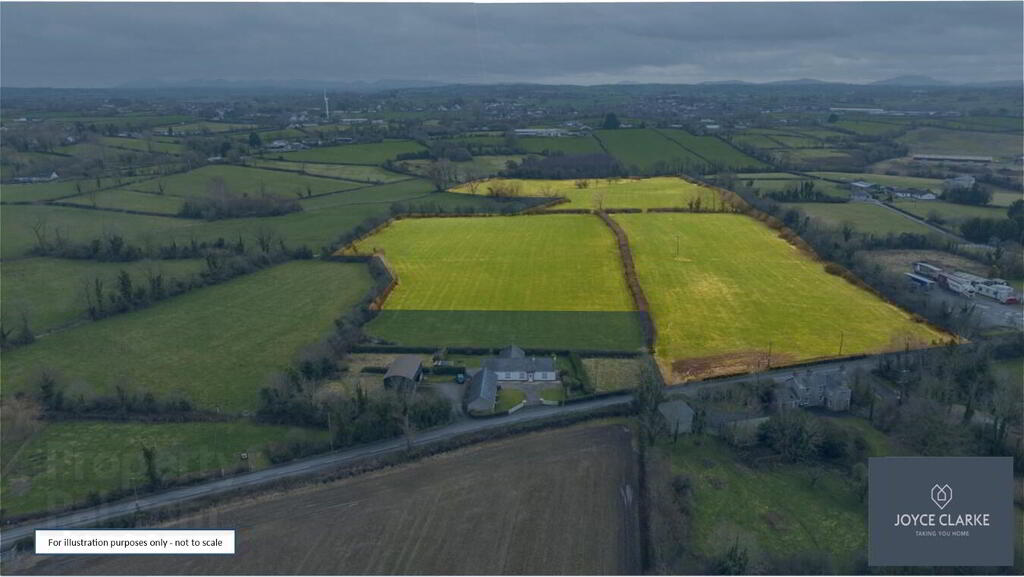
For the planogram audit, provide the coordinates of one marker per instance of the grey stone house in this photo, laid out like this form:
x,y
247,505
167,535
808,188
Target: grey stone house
x,y
512,364
814,389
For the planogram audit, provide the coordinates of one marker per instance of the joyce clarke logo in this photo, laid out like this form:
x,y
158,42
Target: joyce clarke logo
x,y
941,496
940,511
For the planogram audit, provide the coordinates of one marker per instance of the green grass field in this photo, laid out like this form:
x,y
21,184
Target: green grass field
x,y
143,145
127,121
818,155
864,217
495,280
368,174
765,186
576,330
203,127
567,144
523,263
715,150
951,213
609,374
49,290
774,511
243,180
657,192
929,140
17,221
640,150
479,167
57,189
373,154
734,287
933,184
406,190
124,199
167,347
763,141
868,127
66,461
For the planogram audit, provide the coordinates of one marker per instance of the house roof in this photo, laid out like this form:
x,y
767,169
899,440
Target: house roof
x,y
405,366
483,385
519,364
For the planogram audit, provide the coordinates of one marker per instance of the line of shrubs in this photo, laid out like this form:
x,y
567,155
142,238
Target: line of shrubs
x,y
229,205
606,353
629,270
60,399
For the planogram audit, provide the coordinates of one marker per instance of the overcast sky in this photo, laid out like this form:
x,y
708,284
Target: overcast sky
x,y
91,45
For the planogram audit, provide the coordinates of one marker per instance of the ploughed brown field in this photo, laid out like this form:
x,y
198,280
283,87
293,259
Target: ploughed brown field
x,y
554,502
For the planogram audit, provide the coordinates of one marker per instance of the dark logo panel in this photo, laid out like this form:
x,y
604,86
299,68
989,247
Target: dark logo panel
x,y
936,511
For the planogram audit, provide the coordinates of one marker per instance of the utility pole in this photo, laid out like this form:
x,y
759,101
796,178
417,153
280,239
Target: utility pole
x,y
677,246
841,335
330,430
769,354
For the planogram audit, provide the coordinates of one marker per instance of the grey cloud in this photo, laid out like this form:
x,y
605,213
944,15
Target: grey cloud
x,y
107,44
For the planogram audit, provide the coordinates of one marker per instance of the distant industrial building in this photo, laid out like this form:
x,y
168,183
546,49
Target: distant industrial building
x,y
952,158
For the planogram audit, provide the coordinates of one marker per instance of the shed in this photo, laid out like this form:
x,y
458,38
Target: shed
x,y
482,391
404,372
678,415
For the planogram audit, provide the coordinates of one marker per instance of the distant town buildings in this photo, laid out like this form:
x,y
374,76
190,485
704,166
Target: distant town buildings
x,y
541,132
53,176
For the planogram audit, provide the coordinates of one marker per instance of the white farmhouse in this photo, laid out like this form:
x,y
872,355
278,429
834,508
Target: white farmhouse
x,y
512,364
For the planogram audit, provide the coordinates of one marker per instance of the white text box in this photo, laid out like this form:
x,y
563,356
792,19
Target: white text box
x,y
135,542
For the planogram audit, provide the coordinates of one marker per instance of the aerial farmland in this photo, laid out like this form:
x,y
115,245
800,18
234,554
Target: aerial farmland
x,y
596,194
401,300
728,295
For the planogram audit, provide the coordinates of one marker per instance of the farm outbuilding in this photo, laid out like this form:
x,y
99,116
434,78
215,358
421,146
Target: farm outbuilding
x,y
678,415
404,372
482,391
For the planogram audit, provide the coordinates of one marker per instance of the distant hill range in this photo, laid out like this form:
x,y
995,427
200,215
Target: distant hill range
x,y
911,80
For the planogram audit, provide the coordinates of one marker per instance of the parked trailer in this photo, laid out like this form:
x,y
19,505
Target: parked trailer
x,y
993,288
956,283
965,283
1000,292
927,270
920,281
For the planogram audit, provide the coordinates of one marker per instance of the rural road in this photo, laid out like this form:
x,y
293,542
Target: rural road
x,y
319,464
